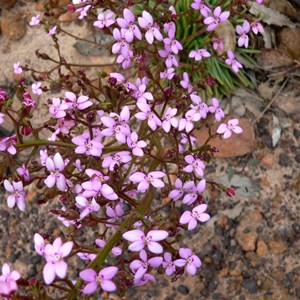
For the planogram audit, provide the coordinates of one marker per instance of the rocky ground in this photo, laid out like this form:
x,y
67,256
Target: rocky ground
x,y
250,248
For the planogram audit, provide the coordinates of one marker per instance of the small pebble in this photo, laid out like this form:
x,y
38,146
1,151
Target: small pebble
x,y
250,285
183,289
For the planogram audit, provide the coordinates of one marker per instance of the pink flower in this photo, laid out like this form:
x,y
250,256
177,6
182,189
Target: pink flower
x,y
115,214
119,127
144,180
39,244
198,5
36,88
199,54
197,214
8,280
17,194
189,260
114,161
168,264
194,164
216,109
218,44
170,58
24,172
87,146
7,144
103,278
104,20
86,206
54,254
217,18
178,192
35,20
143,280
257,27
185,83
187,122
193,191
58,108
81,103
141,95
167,74
136,145
171,43
125,59
17,68
227,129
140,267
146,22
52,31
86,256
128,23
96,186
231,61
28,101
121,44
55,166
169,119
242,32
140,240
147,114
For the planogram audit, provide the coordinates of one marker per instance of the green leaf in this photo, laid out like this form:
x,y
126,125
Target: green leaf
x,y
230,174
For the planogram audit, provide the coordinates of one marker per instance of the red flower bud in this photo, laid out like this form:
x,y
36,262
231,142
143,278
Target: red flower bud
x,y
70,8
230,192
26,129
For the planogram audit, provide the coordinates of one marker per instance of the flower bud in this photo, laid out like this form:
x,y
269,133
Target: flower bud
x,y
26,130
230,192
70,8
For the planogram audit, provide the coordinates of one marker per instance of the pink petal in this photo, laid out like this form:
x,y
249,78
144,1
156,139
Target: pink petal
x,y
49,273
157,235
61,269
227,134
155,247
90,288
186,217
109,272
222,128
192,224
136,246
88,275
108,286
200,208
66,249
133,235
204,217
8,186
58,161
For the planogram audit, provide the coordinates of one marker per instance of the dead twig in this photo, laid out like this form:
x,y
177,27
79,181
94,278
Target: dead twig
x,y
271,102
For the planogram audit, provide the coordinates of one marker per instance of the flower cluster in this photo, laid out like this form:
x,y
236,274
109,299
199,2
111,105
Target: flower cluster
x,y
107,153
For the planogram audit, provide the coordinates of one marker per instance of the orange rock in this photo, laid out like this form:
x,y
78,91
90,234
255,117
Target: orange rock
x,y
268,159
13,26
224,272
277,247
236,145
262,248
247,241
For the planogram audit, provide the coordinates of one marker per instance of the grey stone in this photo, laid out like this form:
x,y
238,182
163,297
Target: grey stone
x,y
250,285
103,47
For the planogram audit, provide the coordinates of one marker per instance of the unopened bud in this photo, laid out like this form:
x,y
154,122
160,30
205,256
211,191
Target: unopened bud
x,y
26,130
70,8
230,192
